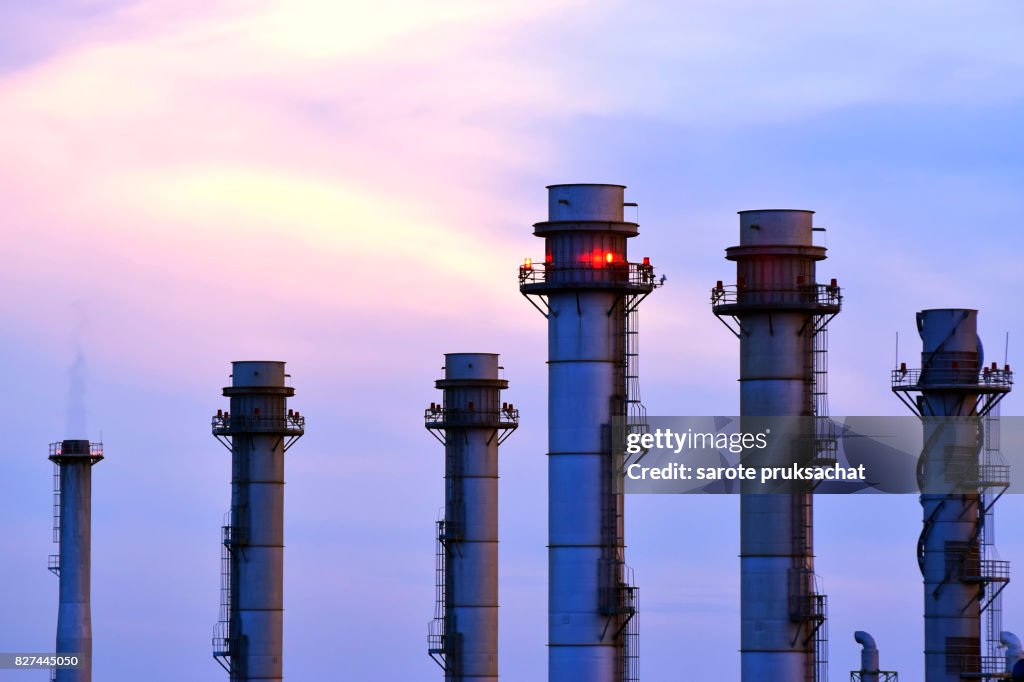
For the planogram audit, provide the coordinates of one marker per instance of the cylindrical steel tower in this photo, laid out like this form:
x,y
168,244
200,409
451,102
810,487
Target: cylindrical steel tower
x,y
258,429
589,292
950,393
73,564
779,314
471,422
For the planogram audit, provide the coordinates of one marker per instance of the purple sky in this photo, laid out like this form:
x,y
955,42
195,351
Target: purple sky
x,y
350,186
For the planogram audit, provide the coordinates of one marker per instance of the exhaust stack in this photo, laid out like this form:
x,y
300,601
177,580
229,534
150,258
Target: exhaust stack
x,y
471,423
869,671
72,530
258,430
779,312
589,292
952,392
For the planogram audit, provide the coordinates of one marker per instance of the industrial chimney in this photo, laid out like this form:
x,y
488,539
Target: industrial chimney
x,y
471,422
589,292
258,430
779,312
951,392
72,531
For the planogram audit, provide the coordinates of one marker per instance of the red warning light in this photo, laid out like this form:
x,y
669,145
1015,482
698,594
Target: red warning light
x,y
647,260
527,264
609,257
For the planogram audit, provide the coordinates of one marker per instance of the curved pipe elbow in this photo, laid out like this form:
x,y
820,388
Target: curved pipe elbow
x,y
1013,650
1011,642
866,640
868,656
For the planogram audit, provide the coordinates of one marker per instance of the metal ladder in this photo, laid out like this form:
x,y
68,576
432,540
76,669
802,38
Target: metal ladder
x,y
992,597
436,640
53,561
619,594
825,442
808,605
630,634
223,648
635,412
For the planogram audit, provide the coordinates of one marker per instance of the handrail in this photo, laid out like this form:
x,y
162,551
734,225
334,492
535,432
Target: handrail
x,y
441,417
808,295
988,570
599,273
226,424
951,376
975,665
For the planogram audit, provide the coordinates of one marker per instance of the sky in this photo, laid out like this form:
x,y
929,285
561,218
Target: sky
x,y
349,187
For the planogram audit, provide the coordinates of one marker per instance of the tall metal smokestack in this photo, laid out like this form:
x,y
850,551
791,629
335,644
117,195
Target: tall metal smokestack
x,y
72,529
589,293
258,430
951,392
471,422
779,313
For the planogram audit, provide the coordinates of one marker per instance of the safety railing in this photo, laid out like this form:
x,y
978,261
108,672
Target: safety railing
x,y
599,274
94,452
808,607
810,296
439,417
976,667
984,570
914,379
291,424
976,475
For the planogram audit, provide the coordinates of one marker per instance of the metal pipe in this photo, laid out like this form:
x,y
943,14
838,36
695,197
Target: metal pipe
x,y
589,292
73,527
471,422
1014,650
950,398
258,429
868,656
779,314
